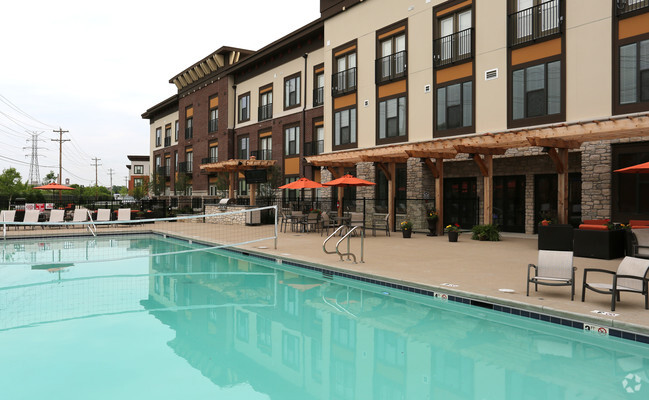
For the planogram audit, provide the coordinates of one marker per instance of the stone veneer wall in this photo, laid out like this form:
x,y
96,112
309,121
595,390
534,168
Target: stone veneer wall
x,y
230,219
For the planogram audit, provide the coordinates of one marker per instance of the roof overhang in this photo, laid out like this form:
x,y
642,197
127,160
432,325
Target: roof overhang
x,y
236,165
564,135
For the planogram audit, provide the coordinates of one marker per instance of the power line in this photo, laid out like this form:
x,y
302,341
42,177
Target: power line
x,y
60,140
16,108
96,164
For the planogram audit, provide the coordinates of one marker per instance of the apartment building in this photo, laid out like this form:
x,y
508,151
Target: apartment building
x,y
503,112
139,171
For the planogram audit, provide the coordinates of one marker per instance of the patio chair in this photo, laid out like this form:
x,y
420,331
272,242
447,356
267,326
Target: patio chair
x,y
56,216
103,215
8,216
123,214
312,222
284,220
381,223
631,276
554,268
325,223
80,215
640,243
31,217
356,219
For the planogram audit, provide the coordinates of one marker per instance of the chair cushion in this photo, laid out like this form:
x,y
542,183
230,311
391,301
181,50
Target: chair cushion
x,y
593,227
639,222
595,221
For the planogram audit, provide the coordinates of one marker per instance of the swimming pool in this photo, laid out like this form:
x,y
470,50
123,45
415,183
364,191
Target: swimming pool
x,y
219,324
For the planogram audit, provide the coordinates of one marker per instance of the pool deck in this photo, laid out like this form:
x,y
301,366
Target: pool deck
x,y
468,268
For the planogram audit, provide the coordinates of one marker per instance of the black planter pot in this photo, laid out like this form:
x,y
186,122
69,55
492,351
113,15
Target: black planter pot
x,y
605,245
432,227
406,233
452,236
556,237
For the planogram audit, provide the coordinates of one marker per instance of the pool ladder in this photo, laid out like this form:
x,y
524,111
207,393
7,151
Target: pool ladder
x,y
347,236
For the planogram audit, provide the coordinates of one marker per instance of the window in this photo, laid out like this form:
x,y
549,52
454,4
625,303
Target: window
x,y
291,350
264,334
176,160
266,148
214,153
243,187
536,91
344,80
292,141
177,129
392,118
265,105
243,148
214,120
290,194
634,72
318,92
292,91
319,140
189,160
534,19
158,137
455,106
138,169
392,62
455,38
244,107
168,135
345,127
189,128
137,182
381,193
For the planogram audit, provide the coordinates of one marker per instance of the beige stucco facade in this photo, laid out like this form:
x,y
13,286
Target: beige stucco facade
x,y
160,123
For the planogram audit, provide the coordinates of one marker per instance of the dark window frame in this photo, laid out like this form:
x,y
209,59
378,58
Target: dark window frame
x,y
265,154
437,132
239,147
246,117
391,139
212,123
177,127
638,106
639,151
393,76
298,96
318,91
537,35
344,50
158,136
455,58
350,145
287,151
265,112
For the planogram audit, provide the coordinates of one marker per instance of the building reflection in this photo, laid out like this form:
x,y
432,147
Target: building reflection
x,y
292,336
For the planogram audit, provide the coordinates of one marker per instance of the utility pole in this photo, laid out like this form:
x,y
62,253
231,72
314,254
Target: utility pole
x,y
60,140
96,164
111,172
126,182
34,173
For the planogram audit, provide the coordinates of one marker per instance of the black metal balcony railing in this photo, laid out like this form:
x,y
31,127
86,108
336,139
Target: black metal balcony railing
x,y
213,125
453,48
627,6
535,23
209,160
167,141
243,154
265,112
185,167
343,82
392,67
262,154
318,96
189,132
313,148
163,170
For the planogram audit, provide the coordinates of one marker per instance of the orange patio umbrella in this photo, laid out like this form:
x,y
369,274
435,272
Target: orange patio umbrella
x,y
53,186
302,183
349,180
635,169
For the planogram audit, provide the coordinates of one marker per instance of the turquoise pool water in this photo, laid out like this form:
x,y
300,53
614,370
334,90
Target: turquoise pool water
x,y
217,324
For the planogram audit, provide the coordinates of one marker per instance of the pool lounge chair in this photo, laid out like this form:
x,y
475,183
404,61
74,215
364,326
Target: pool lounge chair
x,y
554,268
31,217
8,216
80,215
103,215
631,276
123,214
56,216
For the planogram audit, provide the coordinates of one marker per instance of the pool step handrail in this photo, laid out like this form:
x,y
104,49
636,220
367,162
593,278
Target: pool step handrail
x,y
348,236
324,244
92,229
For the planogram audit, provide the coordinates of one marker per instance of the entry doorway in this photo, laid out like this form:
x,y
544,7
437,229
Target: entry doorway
x,y
461,202
509,203
545,198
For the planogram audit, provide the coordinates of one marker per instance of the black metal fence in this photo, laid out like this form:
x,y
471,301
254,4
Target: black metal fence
x,y
535,22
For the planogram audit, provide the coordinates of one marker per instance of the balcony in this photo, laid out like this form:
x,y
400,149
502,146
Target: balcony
x,y
265,112
318,96
343,82
167,141
535,23
314,148
163,170
209,160
453,48
213,125
391,68
185,167
626,6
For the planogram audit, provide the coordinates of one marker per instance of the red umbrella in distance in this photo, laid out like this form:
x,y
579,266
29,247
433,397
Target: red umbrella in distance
x,y
53,186
302,183
349,180
635,169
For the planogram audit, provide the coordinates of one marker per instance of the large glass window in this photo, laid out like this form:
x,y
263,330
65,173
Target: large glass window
x,y
455,106
533,19
345,127
292,91
344,79
243,148
634,72
266,148
536,90
318,92
177,129
454,42
158,137
265,105
292,141
392,118
189,128
138,169
244,107
392,63
214,120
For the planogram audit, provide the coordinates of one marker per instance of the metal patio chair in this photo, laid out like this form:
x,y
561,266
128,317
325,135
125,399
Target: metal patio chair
x,y
554,268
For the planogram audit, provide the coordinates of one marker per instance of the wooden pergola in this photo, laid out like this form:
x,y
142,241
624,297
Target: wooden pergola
x,y
556,139
233,167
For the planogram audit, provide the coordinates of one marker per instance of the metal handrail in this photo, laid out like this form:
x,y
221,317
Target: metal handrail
x,y
94,232
324,244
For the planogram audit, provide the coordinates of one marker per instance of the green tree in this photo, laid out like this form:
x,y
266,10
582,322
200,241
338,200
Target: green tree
x,y
10,184
50,177
157,183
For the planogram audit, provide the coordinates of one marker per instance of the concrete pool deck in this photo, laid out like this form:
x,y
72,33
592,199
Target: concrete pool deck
x,y
468,268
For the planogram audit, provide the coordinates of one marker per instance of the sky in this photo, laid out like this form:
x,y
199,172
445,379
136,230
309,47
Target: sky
x,y
93,68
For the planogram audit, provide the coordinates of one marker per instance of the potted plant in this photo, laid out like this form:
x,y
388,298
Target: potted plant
x,y
453,231
431,218
406,228
488,232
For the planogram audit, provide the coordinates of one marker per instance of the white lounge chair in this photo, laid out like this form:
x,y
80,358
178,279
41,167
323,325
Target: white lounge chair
x,y
31,217
80,215
631,276
123,214
554,268
57,216
8,216
103,215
